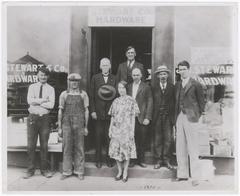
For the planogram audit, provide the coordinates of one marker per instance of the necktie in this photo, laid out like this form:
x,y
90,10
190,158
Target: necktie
x,y
163,87
40,92
129,64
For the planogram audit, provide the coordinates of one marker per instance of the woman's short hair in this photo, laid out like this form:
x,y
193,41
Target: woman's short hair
x,y
124,83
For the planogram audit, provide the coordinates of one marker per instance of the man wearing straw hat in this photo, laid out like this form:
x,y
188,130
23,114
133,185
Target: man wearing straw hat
x,y
163,117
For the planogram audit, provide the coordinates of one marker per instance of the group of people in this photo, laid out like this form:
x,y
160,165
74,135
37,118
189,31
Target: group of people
x,y
122,107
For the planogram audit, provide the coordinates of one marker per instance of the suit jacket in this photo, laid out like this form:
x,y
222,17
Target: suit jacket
x,y
144,100
98,105
124,73
193,100
168,97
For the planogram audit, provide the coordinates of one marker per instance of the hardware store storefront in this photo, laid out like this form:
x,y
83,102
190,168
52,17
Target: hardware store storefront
x,y
78,37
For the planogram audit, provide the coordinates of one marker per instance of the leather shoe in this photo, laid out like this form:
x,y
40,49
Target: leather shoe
x,y
109,164
117,178
47,174
125,179
168,165
63,177
180,179
142,165
132,164
28,175
195,183
80,176
157,166
98,165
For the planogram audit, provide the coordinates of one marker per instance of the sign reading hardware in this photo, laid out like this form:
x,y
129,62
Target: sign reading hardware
x,y
121,16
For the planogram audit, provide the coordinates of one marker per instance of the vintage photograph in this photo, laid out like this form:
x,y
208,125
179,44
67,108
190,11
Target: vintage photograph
x,y
127,97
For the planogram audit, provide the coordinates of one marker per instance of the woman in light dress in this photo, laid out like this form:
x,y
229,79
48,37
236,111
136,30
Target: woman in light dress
x,y
122,148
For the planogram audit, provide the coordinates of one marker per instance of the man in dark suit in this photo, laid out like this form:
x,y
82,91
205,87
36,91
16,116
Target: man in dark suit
x,y
125,69
163,117
142,93
189,107
99,107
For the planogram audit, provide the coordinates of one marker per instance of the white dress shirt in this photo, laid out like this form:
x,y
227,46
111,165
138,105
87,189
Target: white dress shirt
x,y
185,81
36,107
163,85
105,77
135,89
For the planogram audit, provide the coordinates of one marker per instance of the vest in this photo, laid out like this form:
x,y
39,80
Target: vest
x,y
181,100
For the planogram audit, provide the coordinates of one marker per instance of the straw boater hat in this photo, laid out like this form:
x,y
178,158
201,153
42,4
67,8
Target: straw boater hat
x,y
107,92
74,77
162,68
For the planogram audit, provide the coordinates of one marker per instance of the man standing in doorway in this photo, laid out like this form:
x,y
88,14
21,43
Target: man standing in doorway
x,y
163,117
41,98
189,107
102,93
142,93
125,69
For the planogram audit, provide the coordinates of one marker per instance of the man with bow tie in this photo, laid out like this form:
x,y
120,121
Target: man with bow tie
x,y
189,107
41,99
163,117
102,93
125,69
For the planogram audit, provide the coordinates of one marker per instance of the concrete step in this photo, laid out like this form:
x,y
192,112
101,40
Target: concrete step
x,y
134,172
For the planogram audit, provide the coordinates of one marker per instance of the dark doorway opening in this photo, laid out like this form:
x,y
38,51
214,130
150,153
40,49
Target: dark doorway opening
x,y
111,42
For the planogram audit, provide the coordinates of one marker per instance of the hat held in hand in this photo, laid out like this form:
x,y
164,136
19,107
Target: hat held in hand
x,y
107,92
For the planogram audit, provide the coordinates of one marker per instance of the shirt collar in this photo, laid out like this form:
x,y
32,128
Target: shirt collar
x,y
163,84
137,83
39,83
186,80
105,75
131,62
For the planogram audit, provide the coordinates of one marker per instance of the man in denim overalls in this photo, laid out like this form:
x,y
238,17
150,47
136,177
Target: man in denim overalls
x,y
72,121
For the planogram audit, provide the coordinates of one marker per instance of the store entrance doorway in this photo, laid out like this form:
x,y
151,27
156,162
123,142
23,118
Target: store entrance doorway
x,y
111,42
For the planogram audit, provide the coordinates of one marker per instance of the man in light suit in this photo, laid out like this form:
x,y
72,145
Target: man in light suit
x,y
189,107
99,107
125,69
142,93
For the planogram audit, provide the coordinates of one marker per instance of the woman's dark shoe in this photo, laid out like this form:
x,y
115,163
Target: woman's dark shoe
x,y
125,179
117,178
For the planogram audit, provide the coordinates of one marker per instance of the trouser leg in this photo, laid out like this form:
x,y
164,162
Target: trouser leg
x,y
79,154
193,148
99,137
67,147
32,136
106,138
140,141
167,131
158,144
44,132
181,149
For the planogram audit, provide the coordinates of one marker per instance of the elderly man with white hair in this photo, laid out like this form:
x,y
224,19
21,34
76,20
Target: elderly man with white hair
x,y
102,93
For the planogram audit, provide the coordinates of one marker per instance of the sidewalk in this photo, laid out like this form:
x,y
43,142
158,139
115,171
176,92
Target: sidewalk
x,y
91,183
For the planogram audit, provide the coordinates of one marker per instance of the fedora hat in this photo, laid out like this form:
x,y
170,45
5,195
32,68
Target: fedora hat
x,y
107,92
162,68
